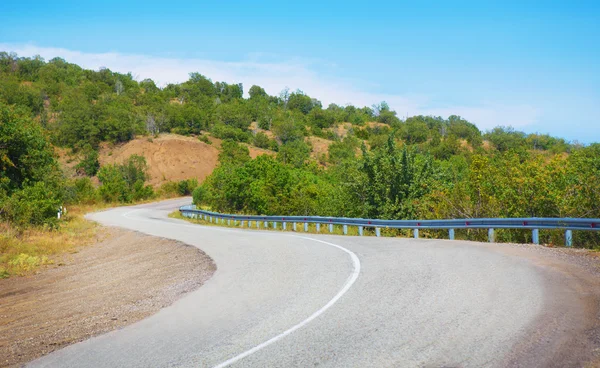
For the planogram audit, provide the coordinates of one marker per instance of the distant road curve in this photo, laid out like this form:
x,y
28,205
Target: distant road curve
x,y
286,300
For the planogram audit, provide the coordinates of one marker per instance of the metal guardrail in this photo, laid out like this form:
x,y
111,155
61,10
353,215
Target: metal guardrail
x,y
534,224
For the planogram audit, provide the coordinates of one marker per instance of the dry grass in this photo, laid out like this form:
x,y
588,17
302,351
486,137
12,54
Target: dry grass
x,y
24,251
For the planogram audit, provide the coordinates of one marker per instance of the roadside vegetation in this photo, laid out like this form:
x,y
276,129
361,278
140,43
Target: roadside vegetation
x,y
374,164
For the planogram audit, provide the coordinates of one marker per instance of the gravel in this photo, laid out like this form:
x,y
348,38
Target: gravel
x,y
103,287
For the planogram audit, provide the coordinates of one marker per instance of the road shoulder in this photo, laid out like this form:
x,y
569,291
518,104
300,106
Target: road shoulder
x,y
122,279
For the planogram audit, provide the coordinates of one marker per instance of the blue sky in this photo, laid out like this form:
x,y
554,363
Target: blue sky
x,y
532,65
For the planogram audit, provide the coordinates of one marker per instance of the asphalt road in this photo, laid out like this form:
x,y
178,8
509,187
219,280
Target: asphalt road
x,y
293,300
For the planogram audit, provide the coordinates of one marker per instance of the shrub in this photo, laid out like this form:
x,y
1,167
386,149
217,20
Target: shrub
x,y
168,189
125,182
37,204
228,132
186,187
81,190
261,140
89,165
233,152
204,138
199,195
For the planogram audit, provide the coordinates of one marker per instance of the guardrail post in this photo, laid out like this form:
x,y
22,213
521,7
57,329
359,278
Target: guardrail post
x,y
360,230
306,227
275,225
377,232
257,224
330,228
451,234
491,235
284,226
242,223
416,233
535,236
318,227
294,226
211,219
345,229
569,238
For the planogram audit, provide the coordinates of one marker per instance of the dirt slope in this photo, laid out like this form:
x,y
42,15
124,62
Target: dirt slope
x,y
169,157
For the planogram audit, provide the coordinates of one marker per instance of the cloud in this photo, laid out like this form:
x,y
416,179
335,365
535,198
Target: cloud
x,y
274,76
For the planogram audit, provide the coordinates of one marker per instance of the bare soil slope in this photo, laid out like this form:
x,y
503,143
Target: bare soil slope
x,y
169,157
172,157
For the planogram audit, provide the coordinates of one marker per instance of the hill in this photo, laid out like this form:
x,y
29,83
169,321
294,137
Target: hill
x,y
257,153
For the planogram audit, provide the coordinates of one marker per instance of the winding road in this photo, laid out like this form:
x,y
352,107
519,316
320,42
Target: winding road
x,y
301,300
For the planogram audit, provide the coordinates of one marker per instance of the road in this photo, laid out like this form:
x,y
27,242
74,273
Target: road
x,y
293,300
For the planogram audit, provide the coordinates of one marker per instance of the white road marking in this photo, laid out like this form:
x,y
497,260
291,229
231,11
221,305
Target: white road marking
x,y
347,285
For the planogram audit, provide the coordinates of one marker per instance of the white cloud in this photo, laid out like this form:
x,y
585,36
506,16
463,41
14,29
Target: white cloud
x,y
275,76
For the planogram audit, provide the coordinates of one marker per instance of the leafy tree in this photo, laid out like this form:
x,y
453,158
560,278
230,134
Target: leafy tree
x,y
261,140
506,138
233,153
415,131
125,182
89,165
29,172
392,182
289,127
294,153
26,156
257,92
301,102
343,150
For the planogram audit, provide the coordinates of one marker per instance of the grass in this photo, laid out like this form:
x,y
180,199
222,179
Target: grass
x,y
23,251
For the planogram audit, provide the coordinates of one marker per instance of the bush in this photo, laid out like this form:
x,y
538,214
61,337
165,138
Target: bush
x,y
233,152
204,138
114,186
125,182
81,190
199,195
261,140
168,189
140,191
37,204
186,187
228,132
294,153
89,165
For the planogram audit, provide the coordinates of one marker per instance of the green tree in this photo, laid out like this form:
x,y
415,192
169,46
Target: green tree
x,y
89,165
294,153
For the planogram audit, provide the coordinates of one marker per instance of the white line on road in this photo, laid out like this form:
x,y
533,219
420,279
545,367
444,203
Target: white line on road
x,y
347,285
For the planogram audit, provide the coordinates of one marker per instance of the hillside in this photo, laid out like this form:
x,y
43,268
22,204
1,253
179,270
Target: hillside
x,y
171,157
120,139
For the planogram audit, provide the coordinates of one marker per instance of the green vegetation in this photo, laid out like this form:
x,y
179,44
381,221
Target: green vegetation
x,y
378,166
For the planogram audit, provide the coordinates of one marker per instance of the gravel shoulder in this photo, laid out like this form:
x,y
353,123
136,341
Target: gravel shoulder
x,y
120,280
568,333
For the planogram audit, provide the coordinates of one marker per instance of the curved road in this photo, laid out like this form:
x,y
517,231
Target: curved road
x,y
294,300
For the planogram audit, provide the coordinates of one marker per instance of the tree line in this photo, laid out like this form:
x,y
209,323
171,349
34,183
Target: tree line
x,y
382,166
